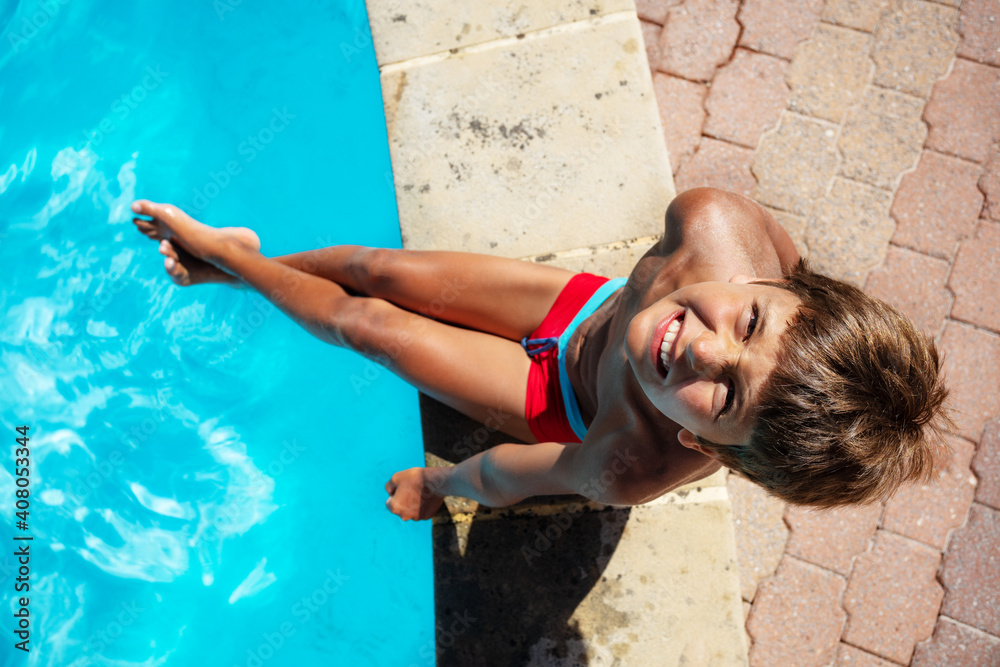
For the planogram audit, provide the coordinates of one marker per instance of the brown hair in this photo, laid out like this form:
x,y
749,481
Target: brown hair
x,y
853,407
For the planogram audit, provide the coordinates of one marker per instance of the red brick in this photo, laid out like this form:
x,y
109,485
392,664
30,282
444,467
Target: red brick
x,y
975,278
651,36
971,572
964,111
698,36
979,26
720,165
655,10
927,511
746,98
849,656
937,205
682,113
987,466
915,284
831,538
810,596
893,597
989,183
777,26
972,373
954,644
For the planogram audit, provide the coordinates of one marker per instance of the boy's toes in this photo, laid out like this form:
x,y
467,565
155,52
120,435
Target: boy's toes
x,y
176,271
167,250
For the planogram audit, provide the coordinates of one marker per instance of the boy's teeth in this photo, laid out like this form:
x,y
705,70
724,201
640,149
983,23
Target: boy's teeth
x,y
668,342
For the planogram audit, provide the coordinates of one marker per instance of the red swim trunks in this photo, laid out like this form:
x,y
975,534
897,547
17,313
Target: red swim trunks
x,y
545,406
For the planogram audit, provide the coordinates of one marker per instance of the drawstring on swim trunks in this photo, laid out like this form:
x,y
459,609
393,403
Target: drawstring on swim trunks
x,y
545,343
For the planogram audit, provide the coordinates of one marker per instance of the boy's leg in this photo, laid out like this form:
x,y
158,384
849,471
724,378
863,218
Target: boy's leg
x,y
481,375
505,297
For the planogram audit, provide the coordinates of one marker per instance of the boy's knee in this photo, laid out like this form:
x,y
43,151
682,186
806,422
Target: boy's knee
x,y
363,324
376,270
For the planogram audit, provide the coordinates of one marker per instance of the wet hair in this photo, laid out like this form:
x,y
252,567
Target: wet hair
x,y
853,407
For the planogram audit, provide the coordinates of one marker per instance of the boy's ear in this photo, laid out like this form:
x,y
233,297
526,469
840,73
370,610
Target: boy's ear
x,y
688,439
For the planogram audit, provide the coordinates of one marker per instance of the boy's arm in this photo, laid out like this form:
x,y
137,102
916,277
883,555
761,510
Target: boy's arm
x,y
500,476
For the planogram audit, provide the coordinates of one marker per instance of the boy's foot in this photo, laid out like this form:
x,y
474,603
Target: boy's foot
x,y
190,247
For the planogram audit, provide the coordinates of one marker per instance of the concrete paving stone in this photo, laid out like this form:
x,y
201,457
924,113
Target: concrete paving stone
x,y
777,26
958,645
915,284
964,111
927,511
699,35
830,72
682,114
831,538
651,38
850,656
979,26
503,150
937,205
882,137
972,373
914,46
655,10
718,164
795,225
404,29
746,98
893,597
975,278
987,466
858,14
971,571
795,163
989,184
807,594
849,230
761,533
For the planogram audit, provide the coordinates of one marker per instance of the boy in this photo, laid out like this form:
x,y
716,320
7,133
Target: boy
x,y
720,348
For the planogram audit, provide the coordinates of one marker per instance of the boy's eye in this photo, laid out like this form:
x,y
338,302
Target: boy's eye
x,y
752,324
730,394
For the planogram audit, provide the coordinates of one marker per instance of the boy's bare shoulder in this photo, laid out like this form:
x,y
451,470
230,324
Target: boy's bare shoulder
x,y
719,234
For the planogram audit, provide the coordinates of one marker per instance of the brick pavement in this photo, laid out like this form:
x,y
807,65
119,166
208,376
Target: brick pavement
x,y
871,128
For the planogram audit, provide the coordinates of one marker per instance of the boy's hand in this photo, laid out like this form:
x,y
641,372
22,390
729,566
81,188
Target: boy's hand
x,y
412,496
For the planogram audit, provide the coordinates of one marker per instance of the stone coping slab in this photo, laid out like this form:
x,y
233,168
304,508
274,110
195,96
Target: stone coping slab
x,y
405,29
524,146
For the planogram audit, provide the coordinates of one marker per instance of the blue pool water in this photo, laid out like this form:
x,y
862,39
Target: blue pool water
x,y
207,479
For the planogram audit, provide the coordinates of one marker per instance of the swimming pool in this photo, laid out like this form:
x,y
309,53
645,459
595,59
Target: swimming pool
x,y
207,479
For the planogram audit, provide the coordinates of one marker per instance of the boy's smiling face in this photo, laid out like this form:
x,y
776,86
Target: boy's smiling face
x,y
702,353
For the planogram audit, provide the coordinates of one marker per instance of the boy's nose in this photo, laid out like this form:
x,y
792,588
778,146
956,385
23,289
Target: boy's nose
x,y
707,355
